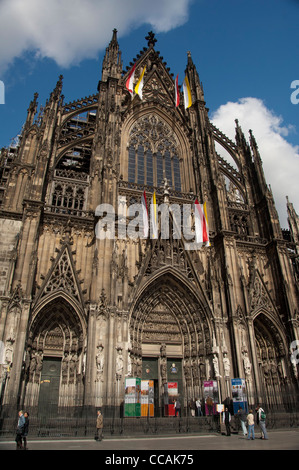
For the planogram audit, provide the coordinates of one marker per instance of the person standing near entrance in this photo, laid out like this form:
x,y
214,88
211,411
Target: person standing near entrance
x,y
261,421
20,429
250,422
242,416
226,420
100,424
177,408
25,430
198,407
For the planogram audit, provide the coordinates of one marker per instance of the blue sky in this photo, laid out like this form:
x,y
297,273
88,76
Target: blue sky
x,y
246,54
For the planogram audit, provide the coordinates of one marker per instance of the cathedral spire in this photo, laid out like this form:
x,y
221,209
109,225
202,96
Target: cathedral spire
x,y
55,95
258,162
31,111
293,220
195,84
112,64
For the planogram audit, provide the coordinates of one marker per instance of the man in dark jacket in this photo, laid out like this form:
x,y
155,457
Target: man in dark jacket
x,y
226,420
20,428
25,430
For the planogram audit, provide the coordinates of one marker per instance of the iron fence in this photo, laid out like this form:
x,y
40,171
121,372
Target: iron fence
x,y
75,419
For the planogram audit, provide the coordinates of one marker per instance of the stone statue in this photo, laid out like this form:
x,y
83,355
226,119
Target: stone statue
x,y
247,364
100,362
226,365
216,366
119,364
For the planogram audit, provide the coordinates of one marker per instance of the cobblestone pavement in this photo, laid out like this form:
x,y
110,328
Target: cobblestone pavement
x,y
278,440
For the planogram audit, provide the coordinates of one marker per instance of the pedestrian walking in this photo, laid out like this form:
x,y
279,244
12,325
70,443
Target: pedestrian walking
x,y
210,404
19,431
250,422
226,420
243,419
100,425
177,408
192,407
25,430
261,421
198,407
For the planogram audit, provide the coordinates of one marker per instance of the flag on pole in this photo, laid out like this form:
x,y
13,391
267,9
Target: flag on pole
x,y
145,215
139,85
201,224
130,80
187,93
154,220
177,93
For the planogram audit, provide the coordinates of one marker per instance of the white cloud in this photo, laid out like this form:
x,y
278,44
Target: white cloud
x,y
71,30
280,158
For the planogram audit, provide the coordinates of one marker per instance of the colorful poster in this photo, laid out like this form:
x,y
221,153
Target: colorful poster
x,y
210,391
132,406
170,396
239,394
147,398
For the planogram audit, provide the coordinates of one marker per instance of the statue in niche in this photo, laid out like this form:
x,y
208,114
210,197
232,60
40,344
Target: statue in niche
x,y
8,352
32,366
100,362
163,368
294,360
119,364
64,368
247,364
129,368
39,362
216,366
226,365
73,367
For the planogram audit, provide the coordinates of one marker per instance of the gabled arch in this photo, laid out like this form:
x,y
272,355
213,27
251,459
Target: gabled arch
x,y
264,321
167,287
59,297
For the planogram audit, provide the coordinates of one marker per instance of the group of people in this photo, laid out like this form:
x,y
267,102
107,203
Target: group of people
x,y
196,407
247,421
22,430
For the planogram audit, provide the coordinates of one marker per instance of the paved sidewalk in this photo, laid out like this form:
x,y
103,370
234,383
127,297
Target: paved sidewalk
x,y
278,440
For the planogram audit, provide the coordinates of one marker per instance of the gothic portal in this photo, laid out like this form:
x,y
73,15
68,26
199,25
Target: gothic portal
x,y
80,312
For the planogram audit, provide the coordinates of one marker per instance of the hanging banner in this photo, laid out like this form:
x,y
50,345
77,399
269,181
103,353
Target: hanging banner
x,y
147,398
170,396
239,394
132,406
210,391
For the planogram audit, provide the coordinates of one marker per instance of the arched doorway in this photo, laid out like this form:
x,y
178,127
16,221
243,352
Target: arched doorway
x,y
274,371
171,337
54,364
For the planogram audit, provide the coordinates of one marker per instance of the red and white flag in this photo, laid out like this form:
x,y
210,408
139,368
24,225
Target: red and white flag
x,y
145,215
201,224
130,81
177,93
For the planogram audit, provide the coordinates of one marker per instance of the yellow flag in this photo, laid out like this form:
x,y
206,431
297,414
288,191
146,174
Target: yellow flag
x,y
187,93
139,85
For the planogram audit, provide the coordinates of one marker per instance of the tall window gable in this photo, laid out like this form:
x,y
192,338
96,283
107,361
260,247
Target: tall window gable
x,y
153,154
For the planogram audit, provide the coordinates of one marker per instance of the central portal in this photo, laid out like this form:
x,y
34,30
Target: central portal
x,y
153,369
170,335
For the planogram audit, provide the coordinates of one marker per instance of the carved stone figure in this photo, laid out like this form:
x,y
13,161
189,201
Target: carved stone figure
x,y
100,362
226,365
119,364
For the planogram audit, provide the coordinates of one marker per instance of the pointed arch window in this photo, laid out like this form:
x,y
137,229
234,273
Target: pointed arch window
x,y
153,154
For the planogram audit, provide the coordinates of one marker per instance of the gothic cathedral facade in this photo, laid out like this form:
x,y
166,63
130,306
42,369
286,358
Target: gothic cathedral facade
x,y
89,311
